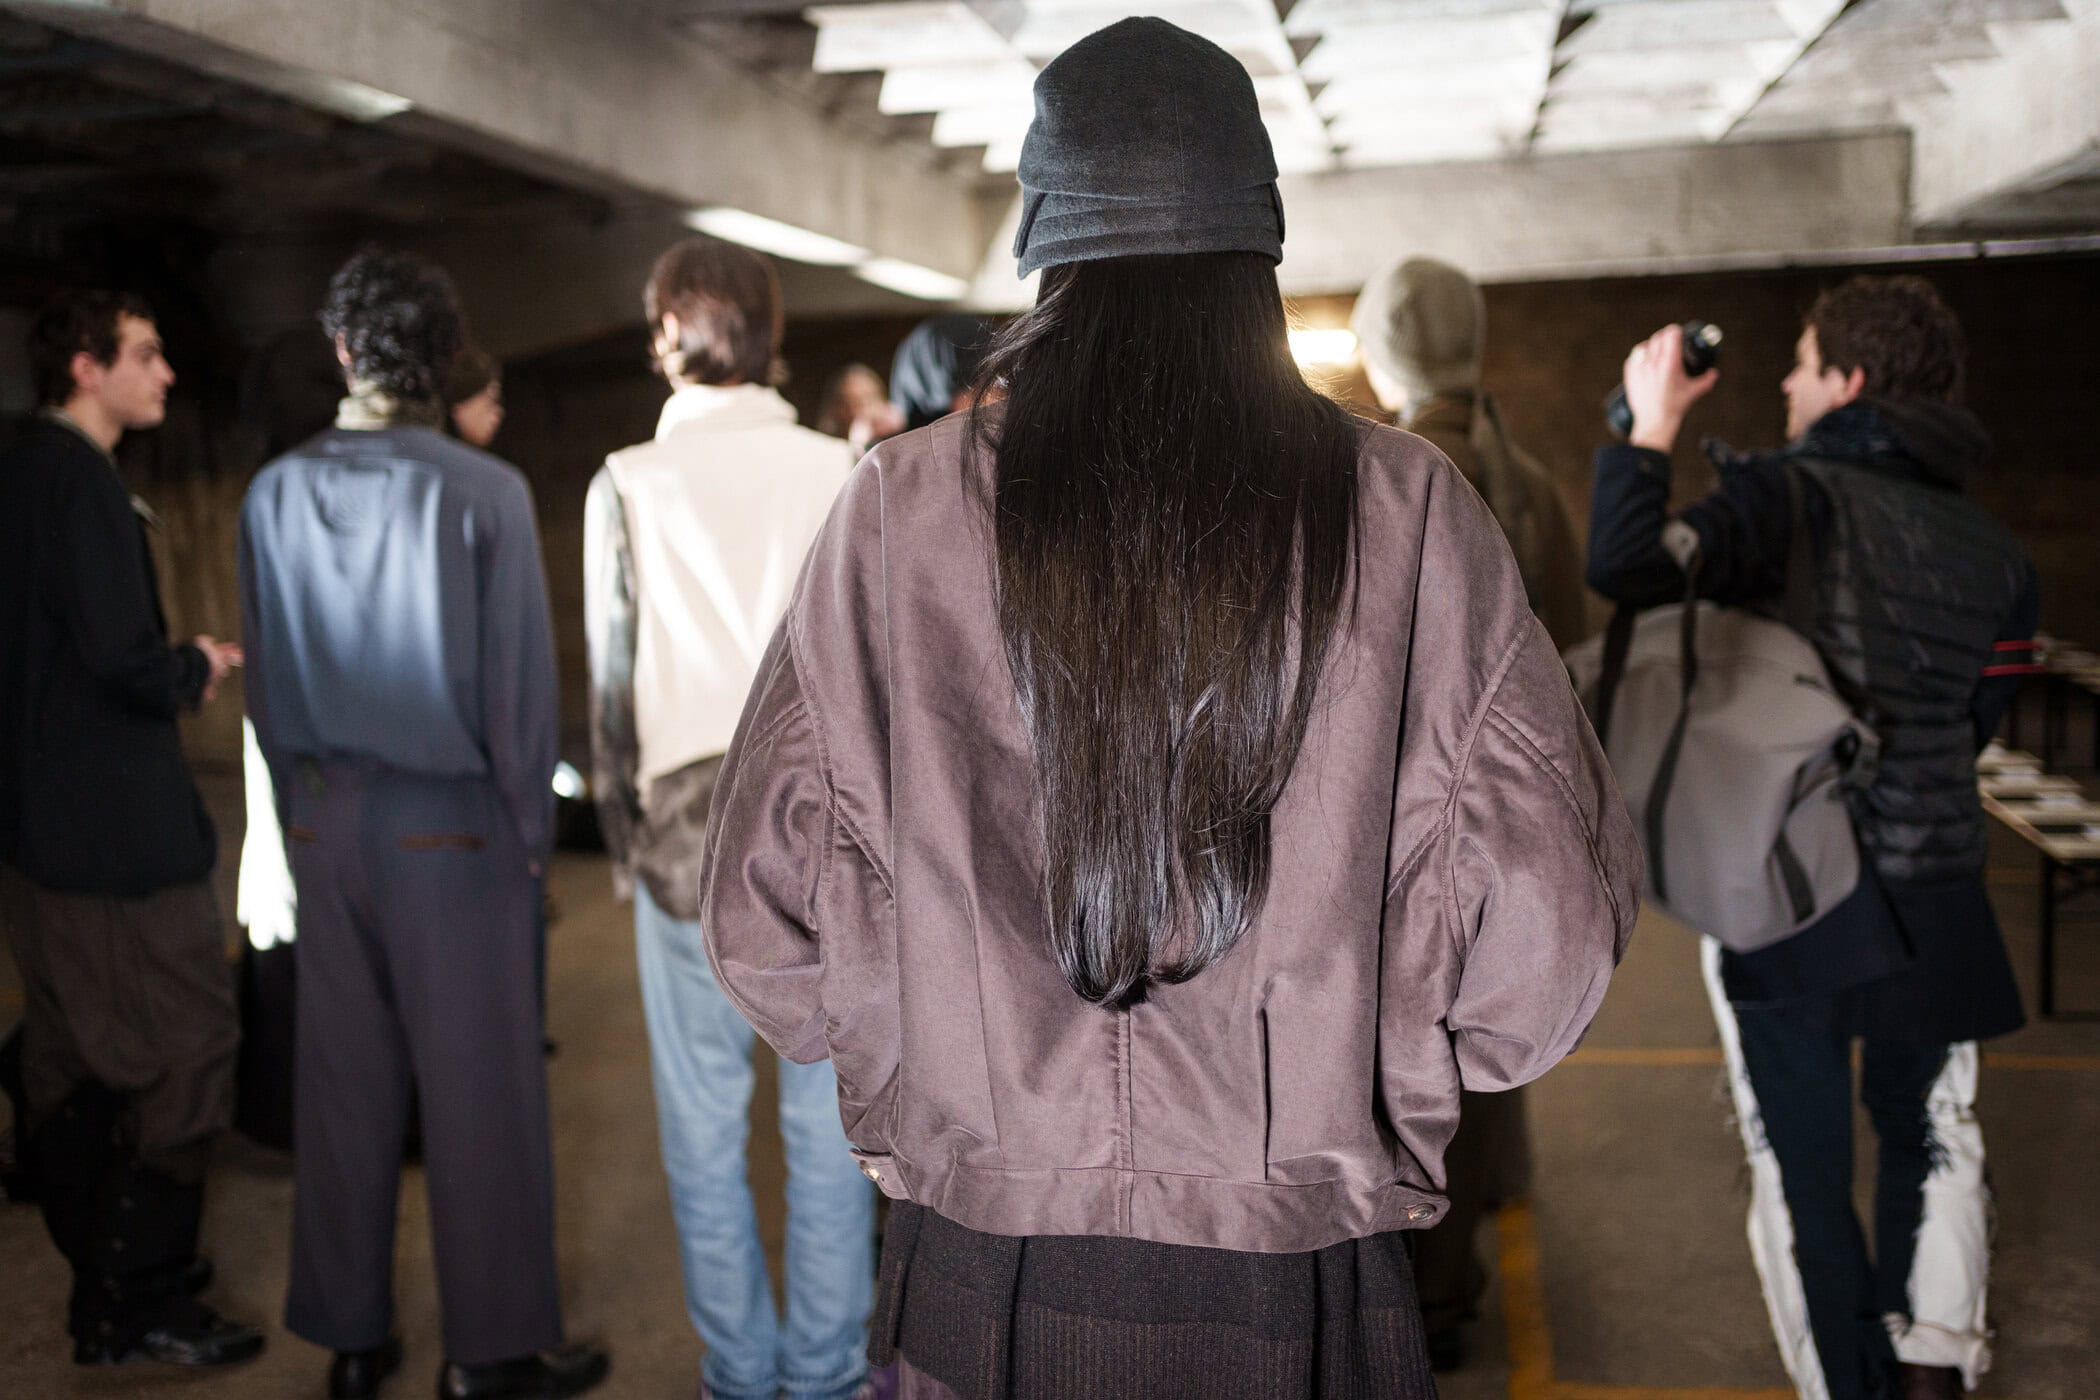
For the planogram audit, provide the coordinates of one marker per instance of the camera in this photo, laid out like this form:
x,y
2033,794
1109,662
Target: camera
x,y
1702,346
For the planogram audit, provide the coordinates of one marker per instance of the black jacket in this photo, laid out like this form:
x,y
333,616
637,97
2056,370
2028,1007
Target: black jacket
x,y
95,795
1917,593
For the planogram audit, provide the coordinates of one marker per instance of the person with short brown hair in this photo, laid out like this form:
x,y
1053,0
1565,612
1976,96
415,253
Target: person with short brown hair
x,y
129,1024
692,545
1923,608
715,315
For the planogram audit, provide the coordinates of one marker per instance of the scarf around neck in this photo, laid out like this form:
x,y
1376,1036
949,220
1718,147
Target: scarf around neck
x,y
370,406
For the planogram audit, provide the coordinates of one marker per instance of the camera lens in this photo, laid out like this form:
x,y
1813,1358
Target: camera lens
x,y
1702,346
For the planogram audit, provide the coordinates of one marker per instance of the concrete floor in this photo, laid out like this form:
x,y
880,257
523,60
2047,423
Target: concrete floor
x,y
1626,1277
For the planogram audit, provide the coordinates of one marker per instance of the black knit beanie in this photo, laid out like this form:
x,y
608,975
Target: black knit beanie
x,y
1146,139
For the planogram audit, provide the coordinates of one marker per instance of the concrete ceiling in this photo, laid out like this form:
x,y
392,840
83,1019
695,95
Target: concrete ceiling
x,y
559,140
1361,84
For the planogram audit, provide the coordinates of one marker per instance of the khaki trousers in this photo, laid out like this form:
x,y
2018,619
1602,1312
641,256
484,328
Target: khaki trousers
x,y
133,995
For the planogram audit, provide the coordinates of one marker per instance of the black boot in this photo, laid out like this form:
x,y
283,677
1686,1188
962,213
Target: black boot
x,y
73,1150
131,1301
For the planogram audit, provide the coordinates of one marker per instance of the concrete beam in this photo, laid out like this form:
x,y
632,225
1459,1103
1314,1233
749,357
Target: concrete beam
x,y
2008,132
1573,215
586,93
564,286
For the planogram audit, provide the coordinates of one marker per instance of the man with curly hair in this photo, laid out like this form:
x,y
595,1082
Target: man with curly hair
x,y
403,694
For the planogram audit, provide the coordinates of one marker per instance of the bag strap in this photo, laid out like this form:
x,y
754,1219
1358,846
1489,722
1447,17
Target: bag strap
x,y
1797,607
1618,643
1666,767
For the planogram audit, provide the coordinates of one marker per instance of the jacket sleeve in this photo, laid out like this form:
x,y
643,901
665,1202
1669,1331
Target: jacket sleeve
x,y
1543,876
770,838
107,602
1744,528
609,642
520,717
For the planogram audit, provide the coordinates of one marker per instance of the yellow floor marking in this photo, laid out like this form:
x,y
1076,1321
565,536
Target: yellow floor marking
x,y
1524,1306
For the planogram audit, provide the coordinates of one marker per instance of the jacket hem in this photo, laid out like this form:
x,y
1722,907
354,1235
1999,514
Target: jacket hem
x,y
1251,1217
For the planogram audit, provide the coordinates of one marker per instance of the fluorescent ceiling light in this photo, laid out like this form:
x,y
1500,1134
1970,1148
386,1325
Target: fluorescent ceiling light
x,y
869,38
1311,17
981,126
772,236
370,104
1323,347
911,280
940,87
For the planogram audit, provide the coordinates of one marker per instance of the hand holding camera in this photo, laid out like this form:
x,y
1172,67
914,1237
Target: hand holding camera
x,y
1664,376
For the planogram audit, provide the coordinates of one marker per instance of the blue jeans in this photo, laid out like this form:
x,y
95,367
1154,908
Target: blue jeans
x,y
700,1053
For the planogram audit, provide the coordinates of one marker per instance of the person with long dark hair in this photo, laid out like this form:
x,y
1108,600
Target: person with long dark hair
x,y
1158,801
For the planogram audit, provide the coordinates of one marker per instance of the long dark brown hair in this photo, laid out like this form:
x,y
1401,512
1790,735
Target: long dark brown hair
x,y
1174,511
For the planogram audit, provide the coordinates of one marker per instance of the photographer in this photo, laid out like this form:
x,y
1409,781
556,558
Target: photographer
x,y
1922,609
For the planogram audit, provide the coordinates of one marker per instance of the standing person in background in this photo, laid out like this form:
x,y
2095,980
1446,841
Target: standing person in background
x,y
1924,609
936,366
129,1025
1423,329
1422,325
474,396
403,694
857,408
1159,802
692,545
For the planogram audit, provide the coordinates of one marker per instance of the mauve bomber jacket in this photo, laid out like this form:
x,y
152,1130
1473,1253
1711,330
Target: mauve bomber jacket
x,y
1454,878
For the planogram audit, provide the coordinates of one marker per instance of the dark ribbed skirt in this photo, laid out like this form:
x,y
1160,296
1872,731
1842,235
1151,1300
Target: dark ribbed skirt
x,y
1076,1317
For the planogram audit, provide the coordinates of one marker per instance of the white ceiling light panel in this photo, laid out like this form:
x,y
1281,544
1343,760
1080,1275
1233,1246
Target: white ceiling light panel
x,y
1513,38
1419,142
982,126
867,38
1678,24
1668,70
1413,86
1310,18
772,236
936,88
911,280
1246,27
1432,128
1003,157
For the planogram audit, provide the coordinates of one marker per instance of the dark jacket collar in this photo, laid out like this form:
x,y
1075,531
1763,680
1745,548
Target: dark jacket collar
x,y
1936,444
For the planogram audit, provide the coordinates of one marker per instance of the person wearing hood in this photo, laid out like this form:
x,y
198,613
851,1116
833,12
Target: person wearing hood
x,y
931,377
1423,328
1924,610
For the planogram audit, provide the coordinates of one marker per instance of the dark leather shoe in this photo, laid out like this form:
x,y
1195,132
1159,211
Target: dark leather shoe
x,y
357,1375
208,1341
1929,1382
544,1375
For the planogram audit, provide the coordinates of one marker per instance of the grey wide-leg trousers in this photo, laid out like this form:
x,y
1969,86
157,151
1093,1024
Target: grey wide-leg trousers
x,y
417,963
